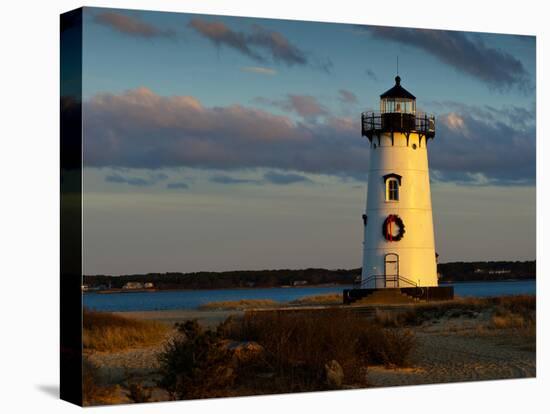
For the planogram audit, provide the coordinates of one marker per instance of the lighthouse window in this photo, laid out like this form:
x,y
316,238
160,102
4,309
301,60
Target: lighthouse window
x,y
392,190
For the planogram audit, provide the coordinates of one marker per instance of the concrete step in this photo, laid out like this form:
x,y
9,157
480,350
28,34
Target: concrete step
x,y
386,296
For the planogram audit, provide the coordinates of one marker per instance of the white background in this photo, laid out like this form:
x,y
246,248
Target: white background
x,y
29,208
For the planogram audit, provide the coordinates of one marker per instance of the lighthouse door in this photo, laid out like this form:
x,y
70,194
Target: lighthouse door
x,y
391,270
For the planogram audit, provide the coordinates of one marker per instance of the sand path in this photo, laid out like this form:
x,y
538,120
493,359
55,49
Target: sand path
x,y
456,357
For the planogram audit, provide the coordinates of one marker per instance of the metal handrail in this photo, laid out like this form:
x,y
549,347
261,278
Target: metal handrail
x,y
372,122
394,278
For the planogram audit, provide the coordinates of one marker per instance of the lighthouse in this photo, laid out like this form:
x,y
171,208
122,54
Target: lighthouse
x,y
398,246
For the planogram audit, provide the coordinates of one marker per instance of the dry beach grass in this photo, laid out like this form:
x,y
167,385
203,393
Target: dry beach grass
x,y
461,340
240,304
330,299
110,332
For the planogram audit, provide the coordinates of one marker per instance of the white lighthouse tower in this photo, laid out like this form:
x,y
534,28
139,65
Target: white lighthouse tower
x,y
398,247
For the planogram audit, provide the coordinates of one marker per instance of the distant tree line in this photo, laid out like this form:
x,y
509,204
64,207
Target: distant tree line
x,y
449,272
486,271
233,279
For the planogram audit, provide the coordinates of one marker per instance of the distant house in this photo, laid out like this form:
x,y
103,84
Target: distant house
x,y
494,271
148,285
499,272
299,283
133,285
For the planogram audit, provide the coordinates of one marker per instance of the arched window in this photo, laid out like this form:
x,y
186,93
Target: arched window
x,y
392,190
392,182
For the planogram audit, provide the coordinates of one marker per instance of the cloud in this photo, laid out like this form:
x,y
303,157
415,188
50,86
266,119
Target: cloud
x,y
177,186
259,44
140,129
371,75
130,25
151,179
277,45
285,178
133,181
466,52
455,122
473,147
271,177
259,69
227,179
347,96
304,105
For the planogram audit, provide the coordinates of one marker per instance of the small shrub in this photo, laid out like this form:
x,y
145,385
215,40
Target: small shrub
x,y
194,365
137,393
387,346
299,344
522,305
294,351
515,312
387,318
509,321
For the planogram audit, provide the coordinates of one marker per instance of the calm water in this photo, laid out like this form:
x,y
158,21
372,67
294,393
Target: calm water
x,y
190,299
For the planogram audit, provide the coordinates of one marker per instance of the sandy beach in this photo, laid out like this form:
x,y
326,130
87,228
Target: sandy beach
x,y
447,350
209,318
463,355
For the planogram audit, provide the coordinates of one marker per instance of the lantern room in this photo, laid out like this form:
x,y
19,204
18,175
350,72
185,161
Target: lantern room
x,y
397,114
397,100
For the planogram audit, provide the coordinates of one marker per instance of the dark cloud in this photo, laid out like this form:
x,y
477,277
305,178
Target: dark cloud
x,y
516,116
150,180
140,129
134,181
304,105
177,186
227,179
370,73
258,44
466,52
271,177
277,46
130,25
285,178
483,146
347,96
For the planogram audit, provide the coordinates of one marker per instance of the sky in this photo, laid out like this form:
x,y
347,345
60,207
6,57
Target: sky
x,y
223,143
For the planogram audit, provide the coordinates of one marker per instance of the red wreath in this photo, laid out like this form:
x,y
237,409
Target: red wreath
x,y
387,228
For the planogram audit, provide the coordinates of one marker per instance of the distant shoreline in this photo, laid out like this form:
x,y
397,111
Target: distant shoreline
x,y
155,290
455,272
448,282
152,290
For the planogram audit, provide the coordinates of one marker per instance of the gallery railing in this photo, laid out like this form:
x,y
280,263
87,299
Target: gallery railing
x,y
373,123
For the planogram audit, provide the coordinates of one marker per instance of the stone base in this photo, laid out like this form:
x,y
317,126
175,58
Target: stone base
x,y
396,295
